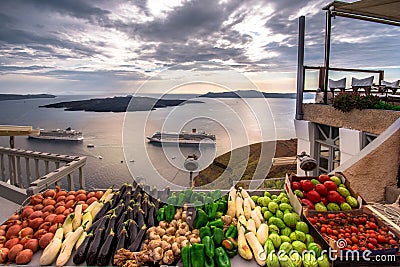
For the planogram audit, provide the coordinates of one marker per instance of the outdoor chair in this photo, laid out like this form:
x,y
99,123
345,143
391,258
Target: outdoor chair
x,y
337,84
393,86
365,84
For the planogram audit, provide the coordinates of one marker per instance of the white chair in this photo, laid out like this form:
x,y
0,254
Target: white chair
x,y
337,84
365,83
391,86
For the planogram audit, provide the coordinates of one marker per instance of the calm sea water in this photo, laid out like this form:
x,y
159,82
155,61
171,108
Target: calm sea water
x,y
235,123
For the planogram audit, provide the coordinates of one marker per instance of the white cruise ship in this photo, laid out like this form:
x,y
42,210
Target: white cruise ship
x,y
58,134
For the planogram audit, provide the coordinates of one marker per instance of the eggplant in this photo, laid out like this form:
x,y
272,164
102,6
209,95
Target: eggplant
x,y
103,210
120,209
111,223
102,223
122,240
133,231
151,216
81,252
145,206
139,199
135,246
123,188
128,197
119,225
136,192
94,247
106,250
140,218
135,211
157,204
115,200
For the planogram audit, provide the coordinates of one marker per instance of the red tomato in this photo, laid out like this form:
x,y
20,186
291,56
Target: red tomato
x,y
354,229
370,246
329,231
323,230
372,225
331,216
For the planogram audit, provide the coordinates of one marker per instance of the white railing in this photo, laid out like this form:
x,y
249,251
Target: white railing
x,y
24,173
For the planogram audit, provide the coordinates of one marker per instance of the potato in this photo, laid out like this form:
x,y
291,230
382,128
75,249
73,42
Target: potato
x,y
59,219
38,207
25,224
50,218
24,240
67,211
3,239
49,201
26,232
12,254
61,198
39,233
32,244
53,228
36,199
36,214
70,197
24,256
45,226
91,200
84,206
45,239
81,191
13,231
2,232
81,197
50,193
90,194
35,223
60,209
4,255
49,208
11,242
99,194
69,204
71,193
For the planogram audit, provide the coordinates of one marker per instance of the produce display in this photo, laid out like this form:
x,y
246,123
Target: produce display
x,y
360,231
327,193
267,225
35,226
135,226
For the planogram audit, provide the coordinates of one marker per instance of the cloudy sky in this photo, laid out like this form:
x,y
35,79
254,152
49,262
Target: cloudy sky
x,y
87,47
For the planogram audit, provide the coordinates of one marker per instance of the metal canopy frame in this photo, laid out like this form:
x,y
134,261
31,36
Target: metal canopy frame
x,y
382,11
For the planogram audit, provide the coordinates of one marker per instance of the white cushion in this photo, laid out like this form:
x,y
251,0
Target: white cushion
x,y
366,82
338,84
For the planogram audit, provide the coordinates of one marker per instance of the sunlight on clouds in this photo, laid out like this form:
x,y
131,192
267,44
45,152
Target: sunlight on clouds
x,y
254,26
311,9
161,8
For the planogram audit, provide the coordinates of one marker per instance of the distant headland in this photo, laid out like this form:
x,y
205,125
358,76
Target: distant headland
x,y
119,104
248,94
4,97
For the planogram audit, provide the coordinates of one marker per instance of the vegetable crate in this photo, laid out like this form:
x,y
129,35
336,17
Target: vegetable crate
x,y
346,257
297,204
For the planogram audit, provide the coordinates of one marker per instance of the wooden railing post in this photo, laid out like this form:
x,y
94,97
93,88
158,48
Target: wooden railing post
x,y
70,180
28,170
11,169
19,172
81,178
37,174
3,167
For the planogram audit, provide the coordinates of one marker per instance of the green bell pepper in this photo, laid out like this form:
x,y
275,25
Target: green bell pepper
x,y
219,215
169,212
216,223
209,200
231,231
208,246
222,206
212,210
197,255
186,256
201,219
205,231
231,253
218,235
217,194
160,215
181,199
194,197
209,262
221,258
188,194
172,199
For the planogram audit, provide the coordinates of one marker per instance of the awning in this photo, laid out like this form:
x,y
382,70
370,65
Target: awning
x,y
10,130
382,11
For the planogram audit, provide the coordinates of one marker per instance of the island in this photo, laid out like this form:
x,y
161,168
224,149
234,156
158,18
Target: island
x,y
251,94
119,104
4,97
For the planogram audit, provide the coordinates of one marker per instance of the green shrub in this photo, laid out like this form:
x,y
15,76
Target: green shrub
x,y
346,102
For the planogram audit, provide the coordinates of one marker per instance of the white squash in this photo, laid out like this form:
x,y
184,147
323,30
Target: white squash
x,y
67,246
232,203
257,220
258,250
251,226
76,222
262,233
247,208
245,195
243,248
239,207
50,253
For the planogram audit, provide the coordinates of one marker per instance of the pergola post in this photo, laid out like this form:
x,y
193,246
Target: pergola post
x,y
328,29
300,69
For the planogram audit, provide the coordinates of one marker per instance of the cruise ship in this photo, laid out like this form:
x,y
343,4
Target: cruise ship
x,y
59,134
183,138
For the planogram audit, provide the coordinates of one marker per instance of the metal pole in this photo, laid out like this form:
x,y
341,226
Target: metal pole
x,y
12,143
190,179
300,69
328,29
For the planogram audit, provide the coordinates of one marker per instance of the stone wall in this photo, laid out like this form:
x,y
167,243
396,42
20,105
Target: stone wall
x,y
377,170
368,120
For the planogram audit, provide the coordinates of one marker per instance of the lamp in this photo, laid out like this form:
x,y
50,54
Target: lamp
x,y
191,165
307,163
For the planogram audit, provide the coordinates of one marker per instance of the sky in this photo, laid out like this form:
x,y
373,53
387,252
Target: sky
x,y
113,47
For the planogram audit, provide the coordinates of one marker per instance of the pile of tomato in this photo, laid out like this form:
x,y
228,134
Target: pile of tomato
x,y
360,231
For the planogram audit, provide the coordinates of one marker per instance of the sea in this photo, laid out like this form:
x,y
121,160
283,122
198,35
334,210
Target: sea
x,y
121,152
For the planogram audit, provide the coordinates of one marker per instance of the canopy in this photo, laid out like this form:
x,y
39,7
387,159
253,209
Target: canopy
x,y
382,11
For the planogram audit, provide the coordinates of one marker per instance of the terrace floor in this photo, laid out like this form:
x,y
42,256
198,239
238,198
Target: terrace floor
x,y
7,208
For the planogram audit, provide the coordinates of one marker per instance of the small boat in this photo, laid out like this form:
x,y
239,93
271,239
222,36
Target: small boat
x,y
90,145
99,157
132,160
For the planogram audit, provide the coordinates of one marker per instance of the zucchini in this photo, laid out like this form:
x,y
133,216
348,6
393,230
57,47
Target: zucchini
x,y
50,253
67,246
81,252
